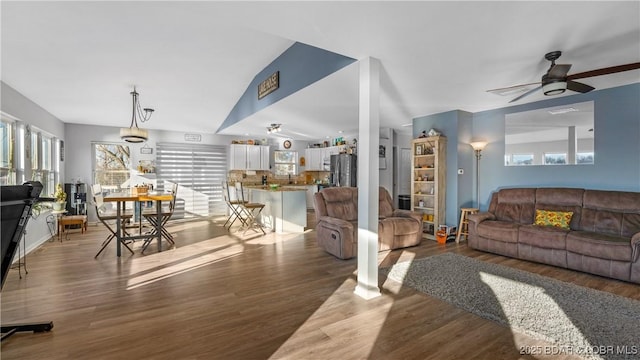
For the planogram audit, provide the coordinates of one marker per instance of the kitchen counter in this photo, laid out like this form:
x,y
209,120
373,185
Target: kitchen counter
x,y
291,187
285,209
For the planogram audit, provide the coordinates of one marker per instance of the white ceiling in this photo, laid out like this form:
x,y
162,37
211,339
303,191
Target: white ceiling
x,y
192,61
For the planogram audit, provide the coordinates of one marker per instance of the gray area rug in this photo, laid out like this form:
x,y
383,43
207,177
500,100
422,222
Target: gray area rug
x,y
577,320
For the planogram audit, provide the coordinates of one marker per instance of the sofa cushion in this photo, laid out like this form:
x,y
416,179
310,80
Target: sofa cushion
x,y
342,203
505,231
516,205
549,237
611,212
561,199
598,245
395,232
385,204
560,219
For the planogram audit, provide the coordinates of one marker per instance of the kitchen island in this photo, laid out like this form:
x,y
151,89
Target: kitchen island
x,y
285,209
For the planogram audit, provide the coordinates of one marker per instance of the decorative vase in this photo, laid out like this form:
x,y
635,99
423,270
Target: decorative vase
x,y
58,205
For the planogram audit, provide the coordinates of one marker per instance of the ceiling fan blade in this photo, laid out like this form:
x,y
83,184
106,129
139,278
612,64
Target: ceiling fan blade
x,y
527,93
559,71
604,71
578,87
511,88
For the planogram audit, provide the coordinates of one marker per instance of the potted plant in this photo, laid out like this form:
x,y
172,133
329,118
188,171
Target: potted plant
x,y
60,197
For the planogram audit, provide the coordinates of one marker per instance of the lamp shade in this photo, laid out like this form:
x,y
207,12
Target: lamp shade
x,y
478,145
134,134
554,88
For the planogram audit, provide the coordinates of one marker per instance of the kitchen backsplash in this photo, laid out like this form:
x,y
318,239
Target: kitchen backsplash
x,y
255,177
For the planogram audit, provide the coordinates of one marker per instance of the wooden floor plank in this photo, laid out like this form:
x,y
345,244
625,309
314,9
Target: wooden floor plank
x,y
221,295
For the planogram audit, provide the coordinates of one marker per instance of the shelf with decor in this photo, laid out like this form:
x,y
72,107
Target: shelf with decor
x,y
428,182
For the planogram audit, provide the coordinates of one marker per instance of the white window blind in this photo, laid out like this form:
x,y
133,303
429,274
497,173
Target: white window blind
x,y
199,171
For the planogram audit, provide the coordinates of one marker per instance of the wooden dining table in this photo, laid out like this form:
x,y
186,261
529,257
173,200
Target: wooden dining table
x,y
121,198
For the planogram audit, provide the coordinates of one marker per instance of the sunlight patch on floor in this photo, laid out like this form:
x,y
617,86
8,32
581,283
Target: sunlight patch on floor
x,y
339,330
153,267
515,310
329,329
395,286
183,267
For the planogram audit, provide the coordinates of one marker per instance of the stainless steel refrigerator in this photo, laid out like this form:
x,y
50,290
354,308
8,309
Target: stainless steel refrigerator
x,y
343,170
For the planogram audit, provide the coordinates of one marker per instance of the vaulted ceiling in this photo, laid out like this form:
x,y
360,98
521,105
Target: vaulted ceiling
x,y
192,61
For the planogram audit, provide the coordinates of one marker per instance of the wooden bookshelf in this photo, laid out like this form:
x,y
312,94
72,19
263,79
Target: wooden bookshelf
x,y
428,181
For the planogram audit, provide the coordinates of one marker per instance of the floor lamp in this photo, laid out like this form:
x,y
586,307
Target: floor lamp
x,y
478,146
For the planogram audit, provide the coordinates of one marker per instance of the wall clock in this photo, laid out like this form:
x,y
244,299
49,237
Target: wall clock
x,y
287,144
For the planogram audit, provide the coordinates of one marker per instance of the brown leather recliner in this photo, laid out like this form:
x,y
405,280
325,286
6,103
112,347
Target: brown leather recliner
x,y
337,222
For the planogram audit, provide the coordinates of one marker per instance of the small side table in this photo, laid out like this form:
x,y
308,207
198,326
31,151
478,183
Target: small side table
x,y
59,214
72,220
463,228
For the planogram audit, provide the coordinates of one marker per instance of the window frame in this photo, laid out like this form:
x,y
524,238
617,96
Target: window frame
x,y
109,186
554,154
32,147
293,163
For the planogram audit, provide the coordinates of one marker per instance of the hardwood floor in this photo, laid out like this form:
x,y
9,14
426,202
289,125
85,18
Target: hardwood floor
x,y
218,295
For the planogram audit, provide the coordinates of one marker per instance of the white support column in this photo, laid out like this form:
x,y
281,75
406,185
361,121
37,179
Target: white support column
x,y
368,178
573,145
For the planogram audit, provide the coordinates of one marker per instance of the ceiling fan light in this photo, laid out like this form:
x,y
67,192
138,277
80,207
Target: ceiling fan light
x,y
134,134
554,88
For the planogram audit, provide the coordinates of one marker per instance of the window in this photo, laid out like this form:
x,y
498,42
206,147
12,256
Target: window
x,y
555,159
199,171
111,164
285,162
7,167
41,160
584,158
519,159
27,153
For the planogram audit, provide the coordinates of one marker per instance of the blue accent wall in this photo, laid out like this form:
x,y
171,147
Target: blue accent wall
x,y
300,66
617,146
457,126
617,149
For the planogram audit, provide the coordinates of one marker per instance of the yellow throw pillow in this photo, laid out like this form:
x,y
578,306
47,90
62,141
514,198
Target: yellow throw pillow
x,y
559,219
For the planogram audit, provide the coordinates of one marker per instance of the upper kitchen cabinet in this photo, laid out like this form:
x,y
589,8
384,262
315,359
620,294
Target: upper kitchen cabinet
x,y
314,159
318,159
248,157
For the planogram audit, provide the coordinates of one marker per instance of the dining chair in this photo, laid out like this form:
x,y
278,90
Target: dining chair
x,y
249,211
165,214
233,204
108,218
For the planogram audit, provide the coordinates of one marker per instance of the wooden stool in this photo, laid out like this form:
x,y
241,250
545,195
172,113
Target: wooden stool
x,y
463,228
71,220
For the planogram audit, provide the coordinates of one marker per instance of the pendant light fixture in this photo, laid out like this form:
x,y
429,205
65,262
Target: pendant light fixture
x,y
133,133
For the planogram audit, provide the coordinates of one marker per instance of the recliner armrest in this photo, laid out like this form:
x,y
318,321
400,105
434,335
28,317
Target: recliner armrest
x,y
334,221
408,213
480,217
635,247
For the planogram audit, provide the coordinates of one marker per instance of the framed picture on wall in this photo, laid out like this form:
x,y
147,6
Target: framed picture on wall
x,y
418,149
61,150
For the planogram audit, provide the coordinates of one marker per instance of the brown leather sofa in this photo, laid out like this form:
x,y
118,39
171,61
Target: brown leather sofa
x,y
603,236
336,211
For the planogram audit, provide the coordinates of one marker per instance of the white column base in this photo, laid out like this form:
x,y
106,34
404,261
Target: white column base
x,y
367,292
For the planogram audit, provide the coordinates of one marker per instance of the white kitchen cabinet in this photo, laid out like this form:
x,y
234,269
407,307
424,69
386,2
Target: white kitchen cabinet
x,y
248,157
314,159
311,189
319,159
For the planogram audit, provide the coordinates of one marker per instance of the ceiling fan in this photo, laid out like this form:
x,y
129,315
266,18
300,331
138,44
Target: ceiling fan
x,y
556,80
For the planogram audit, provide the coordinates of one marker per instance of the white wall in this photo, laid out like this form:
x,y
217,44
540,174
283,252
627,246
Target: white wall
x,y
78,162
386,174
18,106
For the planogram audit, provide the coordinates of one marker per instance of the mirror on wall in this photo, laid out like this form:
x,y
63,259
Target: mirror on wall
x,y
560,135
